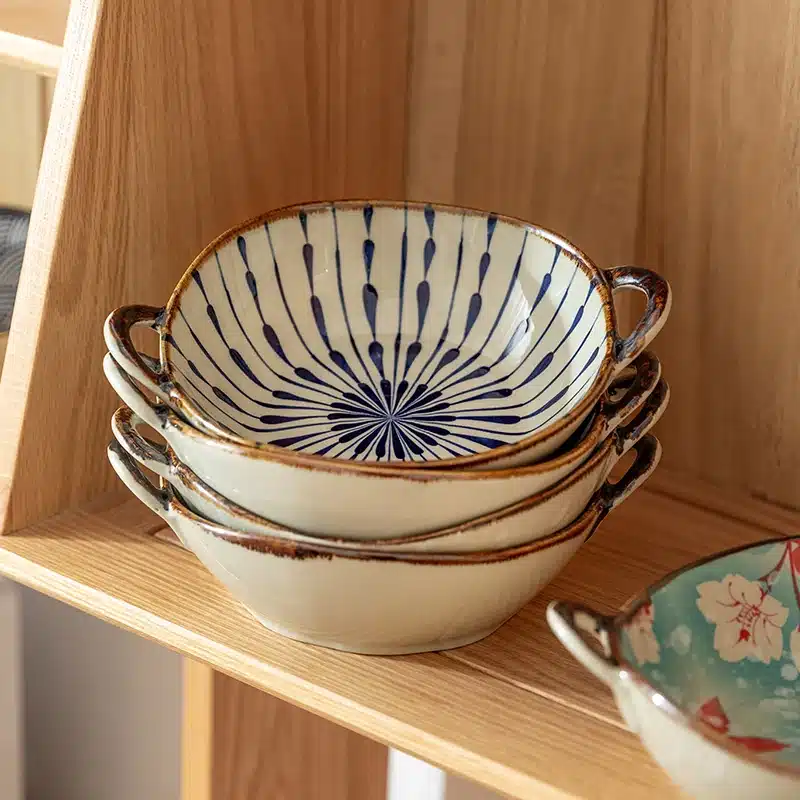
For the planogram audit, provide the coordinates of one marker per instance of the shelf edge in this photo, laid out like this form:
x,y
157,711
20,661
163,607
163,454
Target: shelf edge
x,y
30,54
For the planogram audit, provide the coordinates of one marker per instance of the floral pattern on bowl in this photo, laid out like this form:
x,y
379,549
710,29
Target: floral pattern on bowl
x,y
721,641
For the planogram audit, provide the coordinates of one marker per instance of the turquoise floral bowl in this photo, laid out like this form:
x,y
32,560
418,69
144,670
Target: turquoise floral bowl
x,y
705,667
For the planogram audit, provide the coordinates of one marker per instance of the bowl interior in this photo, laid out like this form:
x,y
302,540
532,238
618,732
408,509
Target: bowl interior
x,y
388,333
721,641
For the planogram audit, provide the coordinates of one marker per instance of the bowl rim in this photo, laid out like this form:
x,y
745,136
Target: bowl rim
x,y
592,439
198,418
661,699
597,460
584,525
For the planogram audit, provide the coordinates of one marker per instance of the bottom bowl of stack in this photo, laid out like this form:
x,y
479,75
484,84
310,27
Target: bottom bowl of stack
x,y
371,599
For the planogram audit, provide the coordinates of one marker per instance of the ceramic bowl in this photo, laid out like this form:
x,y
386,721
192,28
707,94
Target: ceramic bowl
x,y
369,602
327,501
387,332
534,517
704,667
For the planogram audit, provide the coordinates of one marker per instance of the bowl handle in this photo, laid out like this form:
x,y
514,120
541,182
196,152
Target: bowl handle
x,y
131,475
585,633
648,454
627,393
158,458
651,412
659,302
117,333
154,414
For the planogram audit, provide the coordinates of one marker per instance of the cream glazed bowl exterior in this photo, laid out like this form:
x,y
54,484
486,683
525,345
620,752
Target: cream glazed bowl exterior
x,y
534,517
326,500
390,333
704,668
370,602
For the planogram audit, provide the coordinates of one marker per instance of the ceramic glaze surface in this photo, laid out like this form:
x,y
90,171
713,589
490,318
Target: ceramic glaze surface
x,y
378,603
388,333
722,642
534,517
362,501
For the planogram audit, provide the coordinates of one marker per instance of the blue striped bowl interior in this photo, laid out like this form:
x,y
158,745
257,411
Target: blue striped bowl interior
x,y
387,333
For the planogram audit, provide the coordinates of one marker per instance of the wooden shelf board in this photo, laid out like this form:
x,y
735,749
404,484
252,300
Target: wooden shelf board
x,y
514,712
30,54
44,20
646,538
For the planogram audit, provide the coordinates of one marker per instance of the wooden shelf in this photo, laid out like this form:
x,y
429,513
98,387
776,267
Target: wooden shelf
x,y
32,32
30,54
168,126
513,712
44,20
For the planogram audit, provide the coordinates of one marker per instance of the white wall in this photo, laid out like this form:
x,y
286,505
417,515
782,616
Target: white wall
x,y
103,708
12,763
103,715
412,779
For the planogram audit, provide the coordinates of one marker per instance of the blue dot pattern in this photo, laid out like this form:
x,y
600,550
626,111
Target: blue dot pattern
x,y
388,333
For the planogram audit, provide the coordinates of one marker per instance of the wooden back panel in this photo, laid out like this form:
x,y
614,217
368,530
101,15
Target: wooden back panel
x,y
649,130
170,123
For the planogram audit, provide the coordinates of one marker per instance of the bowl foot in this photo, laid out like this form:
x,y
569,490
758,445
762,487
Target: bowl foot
x,y
376,648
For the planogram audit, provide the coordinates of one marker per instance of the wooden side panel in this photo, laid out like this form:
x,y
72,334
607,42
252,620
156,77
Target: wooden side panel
x,y
221,111
243,744
720,219
36,19
197,731
20,142
265,747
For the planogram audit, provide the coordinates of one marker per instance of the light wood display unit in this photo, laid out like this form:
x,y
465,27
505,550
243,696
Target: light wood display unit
x,y
650,130
32,32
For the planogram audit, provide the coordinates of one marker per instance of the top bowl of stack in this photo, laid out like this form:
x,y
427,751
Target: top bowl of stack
x,y
396,334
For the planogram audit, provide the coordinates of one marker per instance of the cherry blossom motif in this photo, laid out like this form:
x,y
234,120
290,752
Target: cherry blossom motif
x,y
748,619
713,714
640,634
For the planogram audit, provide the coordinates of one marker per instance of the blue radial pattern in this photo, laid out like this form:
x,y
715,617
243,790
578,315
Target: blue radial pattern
x,y
388,333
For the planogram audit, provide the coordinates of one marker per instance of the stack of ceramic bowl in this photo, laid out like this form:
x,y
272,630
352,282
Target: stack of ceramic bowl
x,y
388,425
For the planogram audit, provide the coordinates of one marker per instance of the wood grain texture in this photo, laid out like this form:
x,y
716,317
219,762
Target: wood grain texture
x,y
20,145
719,218
647,538
663,132
668,134
265,747
520,733
536,109
725,501
197,731
242,744
34,319
29,54
36,19
143,165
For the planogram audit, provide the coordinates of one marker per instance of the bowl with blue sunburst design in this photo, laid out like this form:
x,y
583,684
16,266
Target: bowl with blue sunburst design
x,y
705,666
405,334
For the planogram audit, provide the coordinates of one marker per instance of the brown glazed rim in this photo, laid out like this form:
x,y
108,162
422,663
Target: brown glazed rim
x,y
657,399
193,412
340,467
585,525
194,483
628,671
